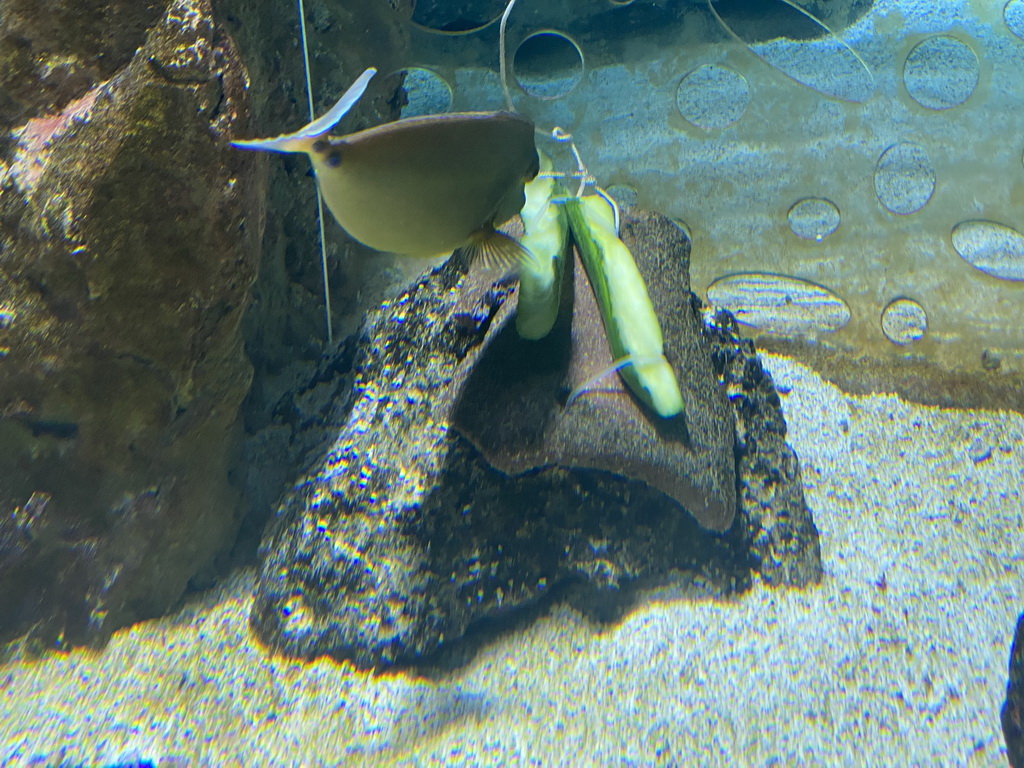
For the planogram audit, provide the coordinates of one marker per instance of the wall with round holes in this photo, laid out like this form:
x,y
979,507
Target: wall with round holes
x,y
855,180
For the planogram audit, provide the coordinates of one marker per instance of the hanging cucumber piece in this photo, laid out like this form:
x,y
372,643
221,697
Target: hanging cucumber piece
x,y
546,237
630,323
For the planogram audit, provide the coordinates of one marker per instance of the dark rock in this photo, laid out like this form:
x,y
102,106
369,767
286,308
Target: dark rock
x,y
783,538
1013,707
404,533
129,238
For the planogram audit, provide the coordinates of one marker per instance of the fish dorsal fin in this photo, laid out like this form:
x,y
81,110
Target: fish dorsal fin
x,y
348,100
298,141
496,250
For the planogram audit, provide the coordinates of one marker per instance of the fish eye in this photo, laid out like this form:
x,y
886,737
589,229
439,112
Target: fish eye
x,y
332,155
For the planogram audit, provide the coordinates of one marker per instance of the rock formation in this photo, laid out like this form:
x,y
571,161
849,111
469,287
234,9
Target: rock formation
x,y
453,484
129,238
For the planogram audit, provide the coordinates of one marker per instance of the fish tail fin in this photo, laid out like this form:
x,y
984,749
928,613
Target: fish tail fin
x,y
496,250
302,140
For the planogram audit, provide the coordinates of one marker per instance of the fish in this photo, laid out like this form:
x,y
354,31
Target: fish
x,y
421,186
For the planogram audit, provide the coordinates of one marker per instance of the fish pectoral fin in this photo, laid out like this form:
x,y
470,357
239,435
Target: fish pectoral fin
x,y
299,141
496,250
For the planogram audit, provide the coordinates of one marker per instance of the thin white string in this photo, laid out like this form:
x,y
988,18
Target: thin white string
x,y
502,66
319,196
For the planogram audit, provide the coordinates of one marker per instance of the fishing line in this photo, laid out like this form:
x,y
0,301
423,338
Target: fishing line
x,y
319,196
502,67
557,133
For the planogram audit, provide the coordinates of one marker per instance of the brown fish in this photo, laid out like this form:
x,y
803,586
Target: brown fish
x,y
421,186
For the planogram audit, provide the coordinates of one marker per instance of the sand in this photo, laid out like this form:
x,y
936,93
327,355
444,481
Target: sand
x,y
899,657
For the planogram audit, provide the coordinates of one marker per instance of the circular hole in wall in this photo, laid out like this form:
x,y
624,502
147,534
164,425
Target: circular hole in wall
x,y
904,178
427,93
995,249
712,97
904,321
779,304
1013,15
941,72
548,65
804,47
814,218
757,21
457,18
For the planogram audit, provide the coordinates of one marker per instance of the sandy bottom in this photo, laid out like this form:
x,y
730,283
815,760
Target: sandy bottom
x,y
898,658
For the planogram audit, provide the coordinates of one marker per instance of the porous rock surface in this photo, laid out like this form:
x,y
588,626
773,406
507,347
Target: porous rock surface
x,y
129,238
781,533
449,483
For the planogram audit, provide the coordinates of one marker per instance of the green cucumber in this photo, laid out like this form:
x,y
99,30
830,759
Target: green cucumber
x,y
546,236
630,323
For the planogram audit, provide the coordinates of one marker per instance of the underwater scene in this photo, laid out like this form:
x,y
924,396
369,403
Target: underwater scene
x,y
511,383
